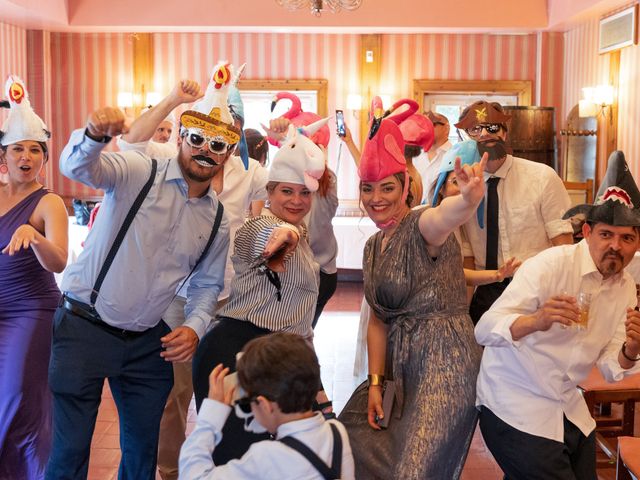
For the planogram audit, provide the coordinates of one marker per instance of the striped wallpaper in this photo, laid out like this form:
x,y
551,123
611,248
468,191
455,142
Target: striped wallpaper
x,y
455,57
87,72
551,73
13,57
583,66
629,108
288,56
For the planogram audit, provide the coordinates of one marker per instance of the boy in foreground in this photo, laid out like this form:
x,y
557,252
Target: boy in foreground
x,y
278,376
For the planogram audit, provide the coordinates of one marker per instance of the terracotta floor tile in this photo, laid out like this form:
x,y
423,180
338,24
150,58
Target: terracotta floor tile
x,y
108,441
335,344
102,473
104,457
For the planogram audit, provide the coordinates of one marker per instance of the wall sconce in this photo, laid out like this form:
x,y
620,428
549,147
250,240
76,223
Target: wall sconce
x,y
131,103
386,101
354,103
152,99
596,100
125,100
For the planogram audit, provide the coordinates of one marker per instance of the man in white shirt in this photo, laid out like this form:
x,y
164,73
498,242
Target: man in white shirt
x,y
428,163
527,217
533,418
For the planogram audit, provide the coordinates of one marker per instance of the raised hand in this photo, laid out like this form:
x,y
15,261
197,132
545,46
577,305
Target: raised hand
x,y
470,179
22,239
216,385
186,91
106,122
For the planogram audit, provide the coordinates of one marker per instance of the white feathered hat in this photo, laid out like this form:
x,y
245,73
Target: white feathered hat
x,y
211,114
22,122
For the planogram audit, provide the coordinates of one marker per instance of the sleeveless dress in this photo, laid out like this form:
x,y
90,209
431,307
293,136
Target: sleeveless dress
x,y
28,299
431,354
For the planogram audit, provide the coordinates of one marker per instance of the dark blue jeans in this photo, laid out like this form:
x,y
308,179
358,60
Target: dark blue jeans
x,y
83,355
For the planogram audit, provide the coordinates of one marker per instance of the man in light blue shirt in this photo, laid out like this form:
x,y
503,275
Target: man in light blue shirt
x,y
115,330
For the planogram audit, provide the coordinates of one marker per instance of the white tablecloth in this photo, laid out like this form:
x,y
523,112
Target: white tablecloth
x,y
77,235
352,234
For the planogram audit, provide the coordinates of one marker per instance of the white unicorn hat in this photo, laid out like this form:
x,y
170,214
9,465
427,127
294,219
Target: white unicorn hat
x,y
211,114
22,122
298,161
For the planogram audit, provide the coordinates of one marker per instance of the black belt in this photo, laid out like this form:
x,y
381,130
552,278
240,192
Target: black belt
x,y
87,312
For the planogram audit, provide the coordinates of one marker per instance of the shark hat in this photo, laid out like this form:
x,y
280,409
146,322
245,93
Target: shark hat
x,y
617,202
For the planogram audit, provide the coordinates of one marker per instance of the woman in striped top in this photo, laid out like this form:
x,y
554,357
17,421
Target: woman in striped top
x,y
275,287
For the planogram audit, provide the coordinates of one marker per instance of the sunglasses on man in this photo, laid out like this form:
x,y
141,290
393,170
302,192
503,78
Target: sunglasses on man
x,y
197,139
491,128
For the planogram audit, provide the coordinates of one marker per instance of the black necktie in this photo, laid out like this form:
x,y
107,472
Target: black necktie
x,y
493,231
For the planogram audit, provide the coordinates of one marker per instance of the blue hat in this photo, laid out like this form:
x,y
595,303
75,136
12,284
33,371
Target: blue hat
x,y
468,153
234,100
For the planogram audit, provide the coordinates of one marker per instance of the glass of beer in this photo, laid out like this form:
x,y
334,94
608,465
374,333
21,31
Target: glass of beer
x,y
583,300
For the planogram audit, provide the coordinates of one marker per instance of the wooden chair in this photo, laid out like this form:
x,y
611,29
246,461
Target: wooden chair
x,y
580,192
596,390
628,467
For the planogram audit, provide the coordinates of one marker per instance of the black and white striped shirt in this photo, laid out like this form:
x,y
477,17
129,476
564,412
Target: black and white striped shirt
x,y
253,298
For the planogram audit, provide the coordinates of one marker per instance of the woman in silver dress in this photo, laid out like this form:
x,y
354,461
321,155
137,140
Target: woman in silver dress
x,y
420,334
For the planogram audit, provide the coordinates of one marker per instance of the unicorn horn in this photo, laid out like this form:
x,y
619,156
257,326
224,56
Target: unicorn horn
x,y
239,73
312,128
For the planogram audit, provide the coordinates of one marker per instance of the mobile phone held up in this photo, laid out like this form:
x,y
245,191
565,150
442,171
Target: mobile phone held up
x,y
341,128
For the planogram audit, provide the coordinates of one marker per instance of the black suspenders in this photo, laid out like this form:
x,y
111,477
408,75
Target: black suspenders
x,y
332,473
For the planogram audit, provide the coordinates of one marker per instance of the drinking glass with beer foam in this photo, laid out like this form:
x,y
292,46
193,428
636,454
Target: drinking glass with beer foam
x,y
583,300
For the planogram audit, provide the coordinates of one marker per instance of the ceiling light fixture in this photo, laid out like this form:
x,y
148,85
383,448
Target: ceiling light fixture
x,y
319,6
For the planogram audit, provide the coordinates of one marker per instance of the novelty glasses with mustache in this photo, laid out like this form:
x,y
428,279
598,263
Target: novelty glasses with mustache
x,y
197,139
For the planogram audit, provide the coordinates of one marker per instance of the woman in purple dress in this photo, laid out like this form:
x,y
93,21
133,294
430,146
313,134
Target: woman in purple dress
x,y
33,245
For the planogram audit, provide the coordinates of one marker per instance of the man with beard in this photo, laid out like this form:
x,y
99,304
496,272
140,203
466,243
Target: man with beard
x,y
541,342
160,223
525,201
240,189
428,163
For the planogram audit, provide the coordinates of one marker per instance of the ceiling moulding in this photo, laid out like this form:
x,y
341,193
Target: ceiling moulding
x,y
35,14
373,15
566,14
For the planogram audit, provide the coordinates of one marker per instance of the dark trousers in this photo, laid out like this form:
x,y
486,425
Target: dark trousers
x,y
483,298
523,456
227,337
83,355
328,285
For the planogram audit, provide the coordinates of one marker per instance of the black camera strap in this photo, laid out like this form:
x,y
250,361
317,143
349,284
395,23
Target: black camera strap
x,y
332,473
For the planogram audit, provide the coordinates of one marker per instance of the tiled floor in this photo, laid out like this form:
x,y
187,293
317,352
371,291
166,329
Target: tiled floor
x,y
335,344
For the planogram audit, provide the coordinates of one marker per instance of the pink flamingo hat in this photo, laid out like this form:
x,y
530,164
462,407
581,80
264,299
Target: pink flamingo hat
x,y
383,152
416,128
300,119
